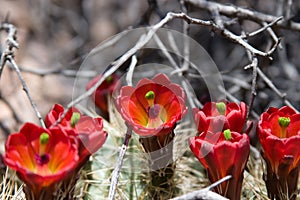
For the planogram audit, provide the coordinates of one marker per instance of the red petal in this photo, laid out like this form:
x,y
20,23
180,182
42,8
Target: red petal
x,y
210,109
161,79
91,134
53,114
236,121
15,144
294,127
165,96
137,113
177,90
287,110
200,120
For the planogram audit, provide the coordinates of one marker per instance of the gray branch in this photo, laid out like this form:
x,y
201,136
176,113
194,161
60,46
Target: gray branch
x,y
7,55
243,13
205,193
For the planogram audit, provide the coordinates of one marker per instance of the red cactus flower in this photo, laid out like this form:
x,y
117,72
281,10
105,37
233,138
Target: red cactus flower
x,y
88,130
221,154
100,96
153,107
216,117
278,131
41,156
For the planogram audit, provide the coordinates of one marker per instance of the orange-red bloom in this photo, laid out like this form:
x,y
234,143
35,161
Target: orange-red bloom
x,y
100,96
224,153
216,117
88,130
41,156
153,107
278,131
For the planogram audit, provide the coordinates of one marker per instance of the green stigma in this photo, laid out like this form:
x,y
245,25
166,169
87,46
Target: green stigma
x,y
110,79
150,95
227,134
221,107
75,119
284,121
44,138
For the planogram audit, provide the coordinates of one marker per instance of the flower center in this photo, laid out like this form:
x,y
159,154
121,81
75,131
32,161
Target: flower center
x,y
42,159
283,122
227,135
75,119
44,138
153,111
150,96
221,107
110,80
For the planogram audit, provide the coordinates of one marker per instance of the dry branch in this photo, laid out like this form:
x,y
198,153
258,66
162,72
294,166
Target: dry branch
x,y
10,43
115,174
275,89
145,38
243,13
8,56
60,71
205,193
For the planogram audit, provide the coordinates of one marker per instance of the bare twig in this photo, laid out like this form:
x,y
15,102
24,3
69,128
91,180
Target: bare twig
x,y
253,65
186,47
60,71
272,34
226,33
26,90
10,43
274,88
287,9
165,51
237,81
257,71
205,193
190,97
131,70
8,56
116,172
243,13
265,27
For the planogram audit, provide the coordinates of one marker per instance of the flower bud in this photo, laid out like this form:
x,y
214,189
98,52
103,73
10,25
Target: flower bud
x,y
227,134
284,121
221,107
75,119
44,138
150,95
